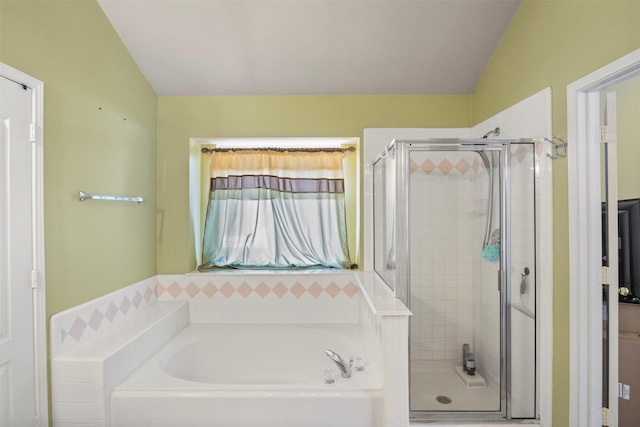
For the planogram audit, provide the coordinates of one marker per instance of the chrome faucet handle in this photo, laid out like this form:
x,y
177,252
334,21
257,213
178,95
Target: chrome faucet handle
x,y
357,364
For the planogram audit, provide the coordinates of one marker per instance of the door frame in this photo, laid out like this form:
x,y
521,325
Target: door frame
x,y
38,264
585,273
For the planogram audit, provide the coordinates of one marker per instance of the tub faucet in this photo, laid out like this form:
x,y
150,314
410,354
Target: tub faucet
x,y
345,369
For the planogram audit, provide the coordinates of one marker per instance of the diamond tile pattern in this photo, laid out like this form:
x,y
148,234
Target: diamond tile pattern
x,y
209,289
137,299
174,289
413,166
77,329
428,166
262,289
227,289
333,289
245,290
107,313
520,153
314,290
280,290
350,289
445,166
96,319
297,290
121,306
462,166
111,312
192,289
126,304
475,165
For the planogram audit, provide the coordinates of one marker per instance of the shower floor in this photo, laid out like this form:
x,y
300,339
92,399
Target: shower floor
x,y
432,378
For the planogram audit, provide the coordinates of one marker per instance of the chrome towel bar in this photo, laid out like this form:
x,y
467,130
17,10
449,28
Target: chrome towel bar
x,y
82,196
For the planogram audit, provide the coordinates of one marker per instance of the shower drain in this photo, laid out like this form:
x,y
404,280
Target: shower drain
x,y
443,399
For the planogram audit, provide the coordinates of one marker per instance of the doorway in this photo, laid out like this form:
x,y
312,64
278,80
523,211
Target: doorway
x,y
23,367
594,398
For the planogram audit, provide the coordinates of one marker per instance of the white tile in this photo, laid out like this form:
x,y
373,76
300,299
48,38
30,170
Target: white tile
x,y
83,372
83,413
393,409
62,371
61,392
100,399
83,393
63,412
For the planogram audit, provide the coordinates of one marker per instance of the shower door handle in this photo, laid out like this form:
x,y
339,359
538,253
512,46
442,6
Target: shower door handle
x,y
502,277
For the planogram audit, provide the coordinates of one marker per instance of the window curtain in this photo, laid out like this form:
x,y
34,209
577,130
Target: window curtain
x,y
275,209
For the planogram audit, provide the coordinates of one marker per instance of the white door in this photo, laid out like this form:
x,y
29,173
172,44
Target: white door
x,y
17,377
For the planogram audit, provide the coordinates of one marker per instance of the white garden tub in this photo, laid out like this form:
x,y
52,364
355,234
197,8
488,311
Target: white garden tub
x,y
252,375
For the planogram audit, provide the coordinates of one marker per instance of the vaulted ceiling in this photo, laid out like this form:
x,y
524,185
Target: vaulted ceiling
x,y
311,47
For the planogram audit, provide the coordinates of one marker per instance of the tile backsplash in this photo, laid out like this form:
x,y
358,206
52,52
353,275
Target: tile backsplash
x,y
264,298
81,323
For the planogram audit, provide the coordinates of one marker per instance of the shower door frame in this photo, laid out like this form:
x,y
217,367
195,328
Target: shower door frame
x,y
404,149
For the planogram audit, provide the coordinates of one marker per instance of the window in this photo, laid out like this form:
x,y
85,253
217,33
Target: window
x,y
279,208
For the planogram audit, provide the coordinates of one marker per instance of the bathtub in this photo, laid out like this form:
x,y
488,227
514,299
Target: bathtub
x,y
252,375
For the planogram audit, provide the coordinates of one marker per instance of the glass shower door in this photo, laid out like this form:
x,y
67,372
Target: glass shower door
x,y
455,216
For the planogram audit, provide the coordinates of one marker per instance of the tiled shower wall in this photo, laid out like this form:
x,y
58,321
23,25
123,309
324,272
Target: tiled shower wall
x,y
441,217
522,252
454,291
531,118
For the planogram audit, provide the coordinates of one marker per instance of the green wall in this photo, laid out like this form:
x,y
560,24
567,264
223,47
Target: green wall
x,y
553,43
181,118
628,134
100,137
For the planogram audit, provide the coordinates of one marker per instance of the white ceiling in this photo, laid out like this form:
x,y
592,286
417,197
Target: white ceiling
x,y
311,47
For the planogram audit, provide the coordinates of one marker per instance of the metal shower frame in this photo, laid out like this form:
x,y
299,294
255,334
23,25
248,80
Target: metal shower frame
x,y
402,283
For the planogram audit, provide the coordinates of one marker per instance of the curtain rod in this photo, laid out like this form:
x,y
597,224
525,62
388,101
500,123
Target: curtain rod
x,y
351,148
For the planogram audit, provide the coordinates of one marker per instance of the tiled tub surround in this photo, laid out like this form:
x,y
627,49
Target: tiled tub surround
x,y
385,324
83,377
81,323
357,299
264,297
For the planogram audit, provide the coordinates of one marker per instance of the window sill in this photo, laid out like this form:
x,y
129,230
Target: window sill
x,y
257,272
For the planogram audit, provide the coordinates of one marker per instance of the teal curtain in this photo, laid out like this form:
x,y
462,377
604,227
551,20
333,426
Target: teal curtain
x,y
275,209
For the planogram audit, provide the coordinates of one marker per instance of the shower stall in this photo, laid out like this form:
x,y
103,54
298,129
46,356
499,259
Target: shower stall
x,y
455,238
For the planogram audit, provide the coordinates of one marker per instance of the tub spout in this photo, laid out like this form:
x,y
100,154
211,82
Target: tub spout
x,y
345,368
